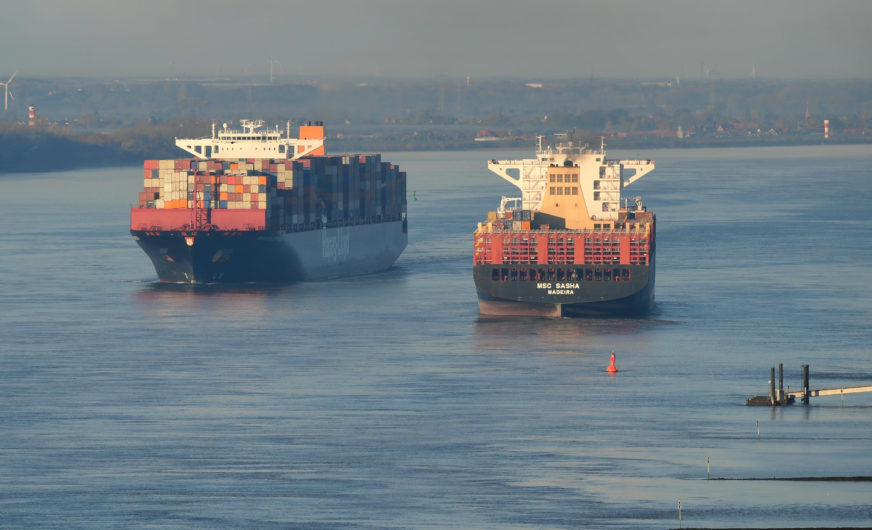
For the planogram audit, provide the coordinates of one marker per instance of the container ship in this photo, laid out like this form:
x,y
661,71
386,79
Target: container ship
x,y
570,245
253,204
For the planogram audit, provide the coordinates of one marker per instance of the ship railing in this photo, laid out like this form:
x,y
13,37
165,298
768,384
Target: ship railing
x,y
496,228
523,162
352,221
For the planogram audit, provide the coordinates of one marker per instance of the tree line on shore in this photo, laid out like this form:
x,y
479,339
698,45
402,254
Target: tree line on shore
x,y
92,122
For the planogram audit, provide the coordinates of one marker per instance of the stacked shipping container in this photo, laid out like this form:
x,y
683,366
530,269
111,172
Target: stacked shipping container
x,y
298,194
503,240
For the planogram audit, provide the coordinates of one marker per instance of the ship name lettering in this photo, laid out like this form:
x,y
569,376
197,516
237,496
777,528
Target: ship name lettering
x,y
559,286
336,248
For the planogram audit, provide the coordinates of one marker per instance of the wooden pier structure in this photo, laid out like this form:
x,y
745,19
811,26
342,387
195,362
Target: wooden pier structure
x,y
781,398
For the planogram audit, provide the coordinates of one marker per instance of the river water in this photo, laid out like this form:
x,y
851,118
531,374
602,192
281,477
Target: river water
x,y
387,402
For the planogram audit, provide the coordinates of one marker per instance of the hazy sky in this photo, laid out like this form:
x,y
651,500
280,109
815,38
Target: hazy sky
x,y
410,38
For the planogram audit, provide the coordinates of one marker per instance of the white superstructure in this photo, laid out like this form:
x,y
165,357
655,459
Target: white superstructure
x,y
253,140
599,180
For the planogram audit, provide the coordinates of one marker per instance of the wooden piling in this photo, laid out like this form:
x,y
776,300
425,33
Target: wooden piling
x,y
806,394
782,399
772,399
787,398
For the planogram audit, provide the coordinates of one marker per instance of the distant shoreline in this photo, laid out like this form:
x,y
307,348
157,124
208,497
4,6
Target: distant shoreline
x,y
37,151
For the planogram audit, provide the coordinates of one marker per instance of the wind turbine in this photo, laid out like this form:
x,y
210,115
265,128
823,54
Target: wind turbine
x,y
6,95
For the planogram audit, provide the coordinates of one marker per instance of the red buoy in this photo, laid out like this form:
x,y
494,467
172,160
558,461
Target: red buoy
x,y
612,368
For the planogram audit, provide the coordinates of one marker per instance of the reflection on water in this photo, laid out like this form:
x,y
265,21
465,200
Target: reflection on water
x,y
168,300
558,336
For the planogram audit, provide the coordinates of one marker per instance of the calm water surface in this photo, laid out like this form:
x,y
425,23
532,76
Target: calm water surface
x,y
386,401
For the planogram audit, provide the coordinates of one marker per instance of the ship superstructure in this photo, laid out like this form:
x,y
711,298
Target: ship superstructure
x,y
570,245
260,206
253,140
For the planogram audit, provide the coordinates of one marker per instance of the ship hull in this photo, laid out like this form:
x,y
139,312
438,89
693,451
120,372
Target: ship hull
x,y
215,256
566,298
